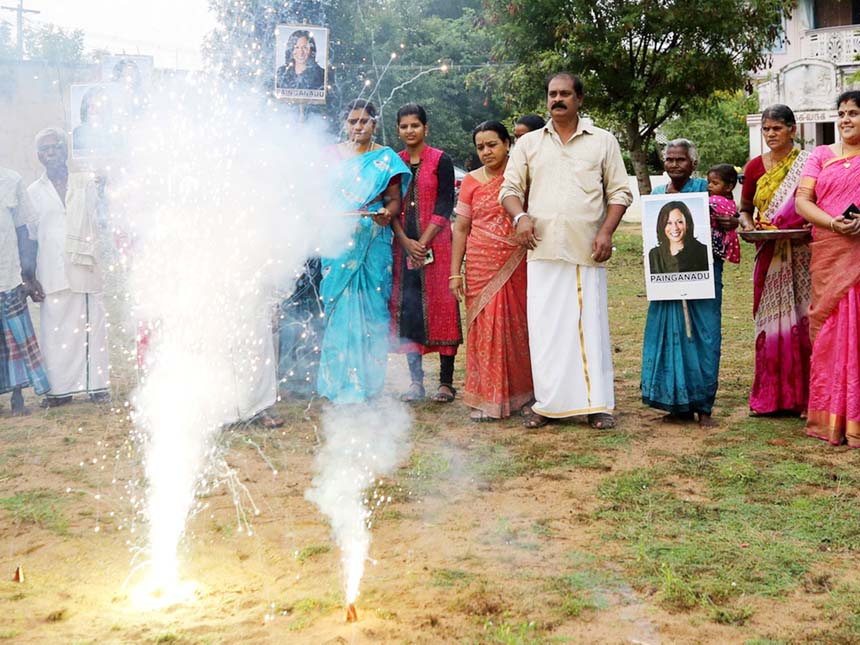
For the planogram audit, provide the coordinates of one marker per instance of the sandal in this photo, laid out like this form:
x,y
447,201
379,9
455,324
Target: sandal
x,y
479,416
601,421
442,396
534,421
54,401
414,394
265,420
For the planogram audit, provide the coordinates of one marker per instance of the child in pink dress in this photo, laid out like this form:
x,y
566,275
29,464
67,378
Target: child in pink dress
x,y
722,180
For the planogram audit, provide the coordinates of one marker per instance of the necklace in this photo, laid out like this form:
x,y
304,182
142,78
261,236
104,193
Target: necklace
x,y
847,162
769,160
487,176
357,148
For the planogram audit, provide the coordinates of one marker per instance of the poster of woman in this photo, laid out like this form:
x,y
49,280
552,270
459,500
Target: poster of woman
x,y
301,63
676,236
133,74
96,126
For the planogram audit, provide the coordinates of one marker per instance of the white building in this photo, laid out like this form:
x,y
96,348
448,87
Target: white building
x,y
818,59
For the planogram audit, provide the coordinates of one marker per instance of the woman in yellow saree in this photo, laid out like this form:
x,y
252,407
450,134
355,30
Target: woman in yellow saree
x,y
781,282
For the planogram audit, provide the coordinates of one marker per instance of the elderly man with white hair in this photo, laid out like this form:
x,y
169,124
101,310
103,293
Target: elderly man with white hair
x,y
73,334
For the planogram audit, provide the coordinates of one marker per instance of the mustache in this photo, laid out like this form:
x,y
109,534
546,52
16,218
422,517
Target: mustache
x,y
558,104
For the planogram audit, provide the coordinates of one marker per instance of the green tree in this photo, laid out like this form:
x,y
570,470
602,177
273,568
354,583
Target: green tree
x,y
242,46
436,46
435,56
7,49
54,45
642,61
718,127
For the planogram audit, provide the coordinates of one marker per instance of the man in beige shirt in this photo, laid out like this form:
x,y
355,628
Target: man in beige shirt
x,y
577,188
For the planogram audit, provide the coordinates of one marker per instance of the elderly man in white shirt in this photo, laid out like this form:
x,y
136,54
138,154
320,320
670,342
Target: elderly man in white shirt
x,y
20,359
574,178
73,321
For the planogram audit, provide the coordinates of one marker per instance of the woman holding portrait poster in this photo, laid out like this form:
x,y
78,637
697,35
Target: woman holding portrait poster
x,y
681,351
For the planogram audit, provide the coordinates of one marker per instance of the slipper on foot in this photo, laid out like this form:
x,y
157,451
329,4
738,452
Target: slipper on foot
x,y
601,421
445,393
55,401
265,420
413,394
534,421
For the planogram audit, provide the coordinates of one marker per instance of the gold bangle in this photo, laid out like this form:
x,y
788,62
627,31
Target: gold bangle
x,y
832,223
452,277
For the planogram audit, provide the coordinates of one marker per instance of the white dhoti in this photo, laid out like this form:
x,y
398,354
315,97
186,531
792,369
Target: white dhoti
x,y
254,371
571,352
74,342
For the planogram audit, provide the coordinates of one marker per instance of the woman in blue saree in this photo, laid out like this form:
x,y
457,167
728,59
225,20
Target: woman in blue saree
x,y
356,285
681,353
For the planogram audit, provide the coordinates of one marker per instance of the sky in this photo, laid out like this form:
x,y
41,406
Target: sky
x,y
170,30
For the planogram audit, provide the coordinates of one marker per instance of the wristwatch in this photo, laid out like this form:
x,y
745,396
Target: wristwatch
x,y
517,218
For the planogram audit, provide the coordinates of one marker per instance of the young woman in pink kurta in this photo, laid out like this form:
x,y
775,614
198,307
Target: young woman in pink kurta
x,y
425,317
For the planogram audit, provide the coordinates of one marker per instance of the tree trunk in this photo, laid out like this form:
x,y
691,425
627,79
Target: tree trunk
x,y
639,157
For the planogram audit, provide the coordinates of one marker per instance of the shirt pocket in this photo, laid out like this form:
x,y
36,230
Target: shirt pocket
x,y
8,198
588,174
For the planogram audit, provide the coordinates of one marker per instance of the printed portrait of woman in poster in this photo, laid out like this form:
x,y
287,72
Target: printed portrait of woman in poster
x,y
96,130
676,236
301,61
133,74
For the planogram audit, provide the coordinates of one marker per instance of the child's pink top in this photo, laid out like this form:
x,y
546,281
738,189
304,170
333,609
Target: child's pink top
x,y
726,244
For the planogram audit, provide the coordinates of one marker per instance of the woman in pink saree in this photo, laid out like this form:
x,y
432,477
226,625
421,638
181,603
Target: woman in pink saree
x,y
828,197
781,279
498,367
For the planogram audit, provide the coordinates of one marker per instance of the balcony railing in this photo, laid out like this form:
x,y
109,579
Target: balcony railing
x,y
840,45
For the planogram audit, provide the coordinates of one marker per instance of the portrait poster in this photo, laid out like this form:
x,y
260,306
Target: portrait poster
x,y
133,74
133,69
97,122
301,63
676,237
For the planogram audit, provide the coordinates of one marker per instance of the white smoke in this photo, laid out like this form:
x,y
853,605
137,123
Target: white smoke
x,y
220,201
362,442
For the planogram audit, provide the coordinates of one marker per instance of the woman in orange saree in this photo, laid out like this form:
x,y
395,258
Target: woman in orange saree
x,y
498,367
829,196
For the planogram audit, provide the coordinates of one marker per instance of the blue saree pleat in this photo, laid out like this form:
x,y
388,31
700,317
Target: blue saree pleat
x,y
356,285
680,372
